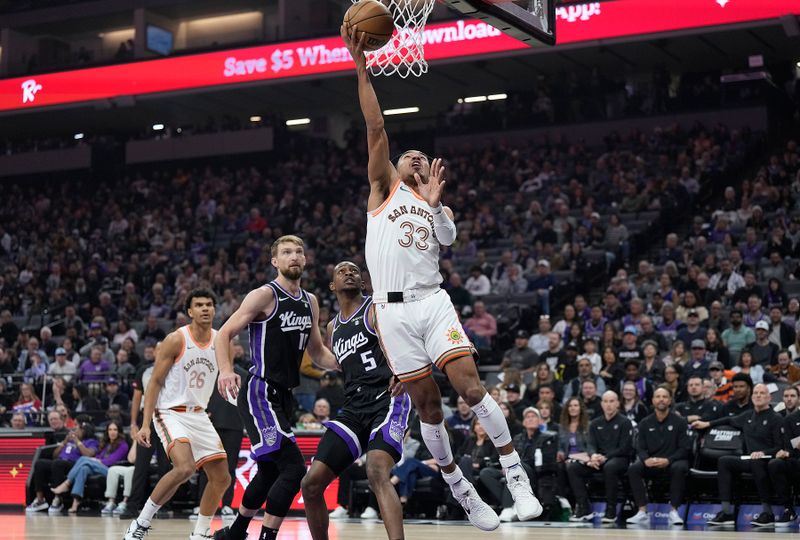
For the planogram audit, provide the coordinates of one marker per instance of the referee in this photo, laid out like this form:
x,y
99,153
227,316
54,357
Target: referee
x,y
762,430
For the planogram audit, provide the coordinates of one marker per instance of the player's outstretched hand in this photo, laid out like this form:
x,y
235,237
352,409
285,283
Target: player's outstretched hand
x,y
432,190
143,436
355,44
228,384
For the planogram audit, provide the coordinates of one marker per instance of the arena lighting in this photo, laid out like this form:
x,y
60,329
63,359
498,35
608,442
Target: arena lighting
x,y
474,99
255,118
78,136
298,122
158,127
402,110
495,97
798,64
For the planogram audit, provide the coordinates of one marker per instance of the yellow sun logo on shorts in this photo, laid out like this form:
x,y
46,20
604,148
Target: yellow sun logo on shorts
x,y
454,336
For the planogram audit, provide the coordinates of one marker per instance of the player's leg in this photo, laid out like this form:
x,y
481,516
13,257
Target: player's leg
x,y
379,468
218,481
313,486
180,452
255,495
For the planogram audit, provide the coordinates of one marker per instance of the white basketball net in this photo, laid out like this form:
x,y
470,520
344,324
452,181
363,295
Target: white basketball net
x,y
404,55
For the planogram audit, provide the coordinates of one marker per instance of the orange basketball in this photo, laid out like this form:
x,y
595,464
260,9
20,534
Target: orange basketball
x,y
374,19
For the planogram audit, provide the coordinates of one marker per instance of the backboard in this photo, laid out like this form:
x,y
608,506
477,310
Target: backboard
x,y
530,21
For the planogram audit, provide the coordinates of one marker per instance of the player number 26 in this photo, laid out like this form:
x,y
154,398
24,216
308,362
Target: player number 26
x,y
197,379
408,236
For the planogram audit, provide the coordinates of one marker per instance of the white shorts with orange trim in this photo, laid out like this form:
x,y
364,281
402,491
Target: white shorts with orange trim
x,y
194,428
416,335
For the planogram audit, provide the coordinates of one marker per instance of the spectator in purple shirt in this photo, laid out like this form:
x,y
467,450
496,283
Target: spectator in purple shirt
x,y
113,449
96,369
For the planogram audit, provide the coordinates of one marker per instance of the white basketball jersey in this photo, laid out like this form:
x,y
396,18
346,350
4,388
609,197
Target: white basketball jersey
x,y
193,376
402,251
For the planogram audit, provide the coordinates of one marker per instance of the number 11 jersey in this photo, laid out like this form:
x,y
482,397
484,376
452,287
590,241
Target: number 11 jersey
x,y
193,376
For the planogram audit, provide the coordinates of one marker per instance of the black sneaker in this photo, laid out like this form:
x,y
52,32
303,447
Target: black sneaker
x,y
722,518
129,513
222,534
787,519
764,519
610,516
582,513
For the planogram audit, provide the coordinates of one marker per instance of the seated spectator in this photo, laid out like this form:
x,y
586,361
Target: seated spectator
x,y
36,371
763,351
630,350
514,425
762,430
611,445
612,372
62,366
652,368
70,352
95,369
461,419
548,424
481,327
591,401
697,406
542,283
721,379
528,444
322,410
595,325
79,442
737,336
775,297
716,318
791,400
25,359
573,435
785,371
113,396
96,339
754,313
416,463
115,474
649,333
540,341
585,373
123,332
692,330
668,325
662,449
716,351
633,374
123,369
18,421
590,353
570,316
514,399
56,423
458,294
750,288
726,282
520,356
698,363
476,452
84,403
740,402
632,406
113,448
152,333
673,381
780,333
512,283
689,304
477,283
28,404
331,389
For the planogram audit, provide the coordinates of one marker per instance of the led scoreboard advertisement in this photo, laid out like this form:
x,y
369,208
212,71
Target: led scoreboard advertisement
x,y
575,22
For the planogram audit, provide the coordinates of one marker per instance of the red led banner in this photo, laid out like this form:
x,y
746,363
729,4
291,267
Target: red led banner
x,y
15,466
575,23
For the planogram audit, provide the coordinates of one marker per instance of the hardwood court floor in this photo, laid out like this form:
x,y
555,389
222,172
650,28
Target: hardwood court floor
x,y
41,527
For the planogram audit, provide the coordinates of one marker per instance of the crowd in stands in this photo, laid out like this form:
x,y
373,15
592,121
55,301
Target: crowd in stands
x,y
94,273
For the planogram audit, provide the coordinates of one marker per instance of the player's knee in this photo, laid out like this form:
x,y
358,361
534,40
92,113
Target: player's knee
x,y
184,471
377,474
223,479
311,487
473,394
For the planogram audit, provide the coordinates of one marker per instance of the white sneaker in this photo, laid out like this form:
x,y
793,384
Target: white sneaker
x,y
195,513
507,515
136,531
369,513
120,509
526,505
338,513
56,507
37,506
227,511
108,509
675,518
478,512
639,518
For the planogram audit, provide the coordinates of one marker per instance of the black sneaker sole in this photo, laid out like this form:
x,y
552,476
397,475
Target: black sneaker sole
x,y
720,523
762,525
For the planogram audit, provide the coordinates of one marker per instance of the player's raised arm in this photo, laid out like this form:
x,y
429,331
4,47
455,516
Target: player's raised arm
x,y
380,169
166,353
254,305
320,355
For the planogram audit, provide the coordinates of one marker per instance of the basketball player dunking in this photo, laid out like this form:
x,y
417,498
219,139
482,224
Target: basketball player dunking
x,y
177,395
282,320
371,419
414,318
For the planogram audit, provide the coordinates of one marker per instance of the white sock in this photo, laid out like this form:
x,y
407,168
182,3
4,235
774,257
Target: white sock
x,y
148,511
456,481
493,421
438,443
509,461
203,524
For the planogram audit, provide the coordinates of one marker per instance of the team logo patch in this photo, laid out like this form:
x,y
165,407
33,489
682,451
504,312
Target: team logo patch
x,y
454,335
396,430
270,435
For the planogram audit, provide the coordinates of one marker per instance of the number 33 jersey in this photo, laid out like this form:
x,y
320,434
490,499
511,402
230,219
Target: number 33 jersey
x,y
360,357
401,250
193,376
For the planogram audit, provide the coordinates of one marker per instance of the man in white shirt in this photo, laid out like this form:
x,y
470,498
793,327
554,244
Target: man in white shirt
x,y
478,283
61,366
540,342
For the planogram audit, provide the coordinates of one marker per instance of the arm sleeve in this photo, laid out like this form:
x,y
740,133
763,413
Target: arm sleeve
x,y
443,227
722,421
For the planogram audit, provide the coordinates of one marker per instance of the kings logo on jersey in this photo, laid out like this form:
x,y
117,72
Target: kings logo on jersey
x,y
290,321
270,434
396,430
345,347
